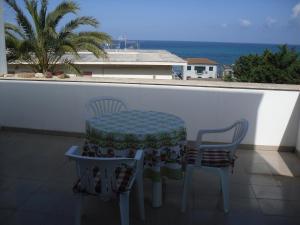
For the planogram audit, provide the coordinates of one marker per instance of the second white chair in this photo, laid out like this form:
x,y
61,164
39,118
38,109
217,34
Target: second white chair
x,y
216,158
102,105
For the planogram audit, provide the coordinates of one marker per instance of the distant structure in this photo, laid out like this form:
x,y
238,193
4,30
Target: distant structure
x,y
201,68
122,43
227,70
119,63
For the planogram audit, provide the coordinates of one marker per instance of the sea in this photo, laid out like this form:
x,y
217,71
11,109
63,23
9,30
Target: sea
x,y
223,53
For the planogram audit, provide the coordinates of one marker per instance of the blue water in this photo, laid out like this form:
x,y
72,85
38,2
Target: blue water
x,y
223,53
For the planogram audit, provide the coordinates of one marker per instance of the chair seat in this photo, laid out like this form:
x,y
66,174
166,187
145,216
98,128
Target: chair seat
x,y
210,158
123,175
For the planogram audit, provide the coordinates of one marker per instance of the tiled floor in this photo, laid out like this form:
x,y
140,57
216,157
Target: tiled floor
x,y
36,180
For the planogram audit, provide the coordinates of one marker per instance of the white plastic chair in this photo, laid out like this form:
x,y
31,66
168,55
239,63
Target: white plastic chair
x,y
107,168
102,105
240,129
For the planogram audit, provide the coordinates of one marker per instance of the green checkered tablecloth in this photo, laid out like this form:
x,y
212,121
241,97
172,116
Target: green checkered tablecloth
x,y
162,136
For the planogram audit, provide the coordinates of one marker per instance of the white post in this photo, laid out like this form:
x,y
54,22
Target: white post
x,y
298,140
184,73
3,64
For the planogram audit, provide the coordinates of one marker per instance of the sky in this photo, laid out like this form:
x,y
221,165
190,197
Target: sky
x,y
243,21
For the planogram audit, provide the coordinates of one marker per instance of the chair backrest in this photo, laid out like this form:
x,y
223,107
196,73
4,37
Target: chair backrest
x,y
98,175
240,131
102,105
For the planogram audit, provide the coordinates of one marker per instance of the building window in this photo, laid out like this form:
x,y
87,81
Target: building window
x,y
189,68
211,68
200,69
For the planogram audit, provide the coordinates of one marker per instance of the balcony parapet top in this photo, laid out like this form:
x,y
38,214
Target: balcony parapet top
x,y
187,83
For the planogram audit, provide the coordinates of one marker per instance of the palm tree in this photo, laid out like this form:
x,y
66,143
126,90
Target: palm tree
x,y
38,40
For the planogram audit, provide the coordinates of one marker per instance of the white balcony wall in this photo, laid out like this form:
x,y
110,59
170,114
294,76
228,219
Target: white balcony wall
x,y
3,65
60,106
298,142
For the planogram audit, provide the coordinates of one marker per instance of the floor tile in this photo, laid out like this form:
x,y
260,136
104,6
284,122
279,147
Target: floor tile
x,y
283,192
238,191
31,218
17,192
280,207
36,188
241,218
281,220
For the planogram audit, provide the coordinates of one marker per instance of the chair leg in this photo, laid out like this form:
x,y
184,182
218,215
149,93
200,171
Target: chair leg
x,y
186,184
156,194
78,210
140,190
124,208
224,172
220,185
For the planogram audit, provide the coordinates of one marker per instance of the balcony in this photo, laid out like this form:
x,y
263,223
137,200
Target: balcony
x,y
41,119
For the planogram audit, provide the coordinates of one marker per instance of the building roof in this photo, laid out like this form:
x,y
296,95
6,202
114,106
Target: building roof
x,y
130,57
204,61
126,57
227,67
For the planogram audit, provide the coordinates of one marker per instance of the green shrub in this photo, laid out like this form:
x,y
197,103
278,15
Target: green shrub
x,y
281,67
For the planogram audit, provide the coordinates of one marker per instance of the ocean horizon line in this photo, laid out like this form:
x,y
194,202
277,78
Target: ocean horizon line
x,y
221,42
222,52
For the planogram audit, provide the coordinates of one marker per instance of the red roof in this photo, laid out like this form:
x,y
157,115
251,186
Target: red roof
x,y
201,61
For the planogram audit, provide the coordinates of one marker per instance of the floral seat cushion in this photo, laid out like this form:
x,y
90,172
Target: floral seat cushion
x,y
91,182
210,158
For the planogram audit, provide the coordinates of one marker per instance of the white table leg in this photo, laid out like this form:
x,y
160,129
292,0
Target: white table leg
x,y
156,194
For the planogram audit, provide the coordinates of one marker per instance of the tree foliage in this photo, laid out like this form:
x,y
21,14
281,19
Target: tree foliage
x,y
41,39
279,67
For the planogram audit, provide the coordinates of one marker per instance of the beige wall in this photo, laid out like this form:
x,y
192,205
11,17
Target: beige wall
x,y
134,71
130,71
18,68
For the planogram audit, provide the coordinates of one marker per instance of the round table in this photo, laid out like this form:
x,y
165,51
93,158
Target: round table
x,y
162,136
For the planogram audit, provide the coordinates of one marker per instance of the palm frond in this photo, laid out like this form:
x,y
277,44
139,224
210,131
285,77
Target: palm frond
x,y
31,6
64,8
96,50
71,67
22,20
86,39
35,39
100,36
75,23
9,27
12,46
43,12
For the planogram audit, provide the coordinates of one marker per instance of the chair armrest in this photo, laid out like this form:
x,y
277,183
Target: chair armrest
x,y
139,157
221,130
74,150
211,131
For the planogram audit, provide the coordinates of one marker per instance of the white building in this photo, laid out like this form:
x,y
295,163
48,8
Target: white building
x,y
130,63
227,70
200,68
